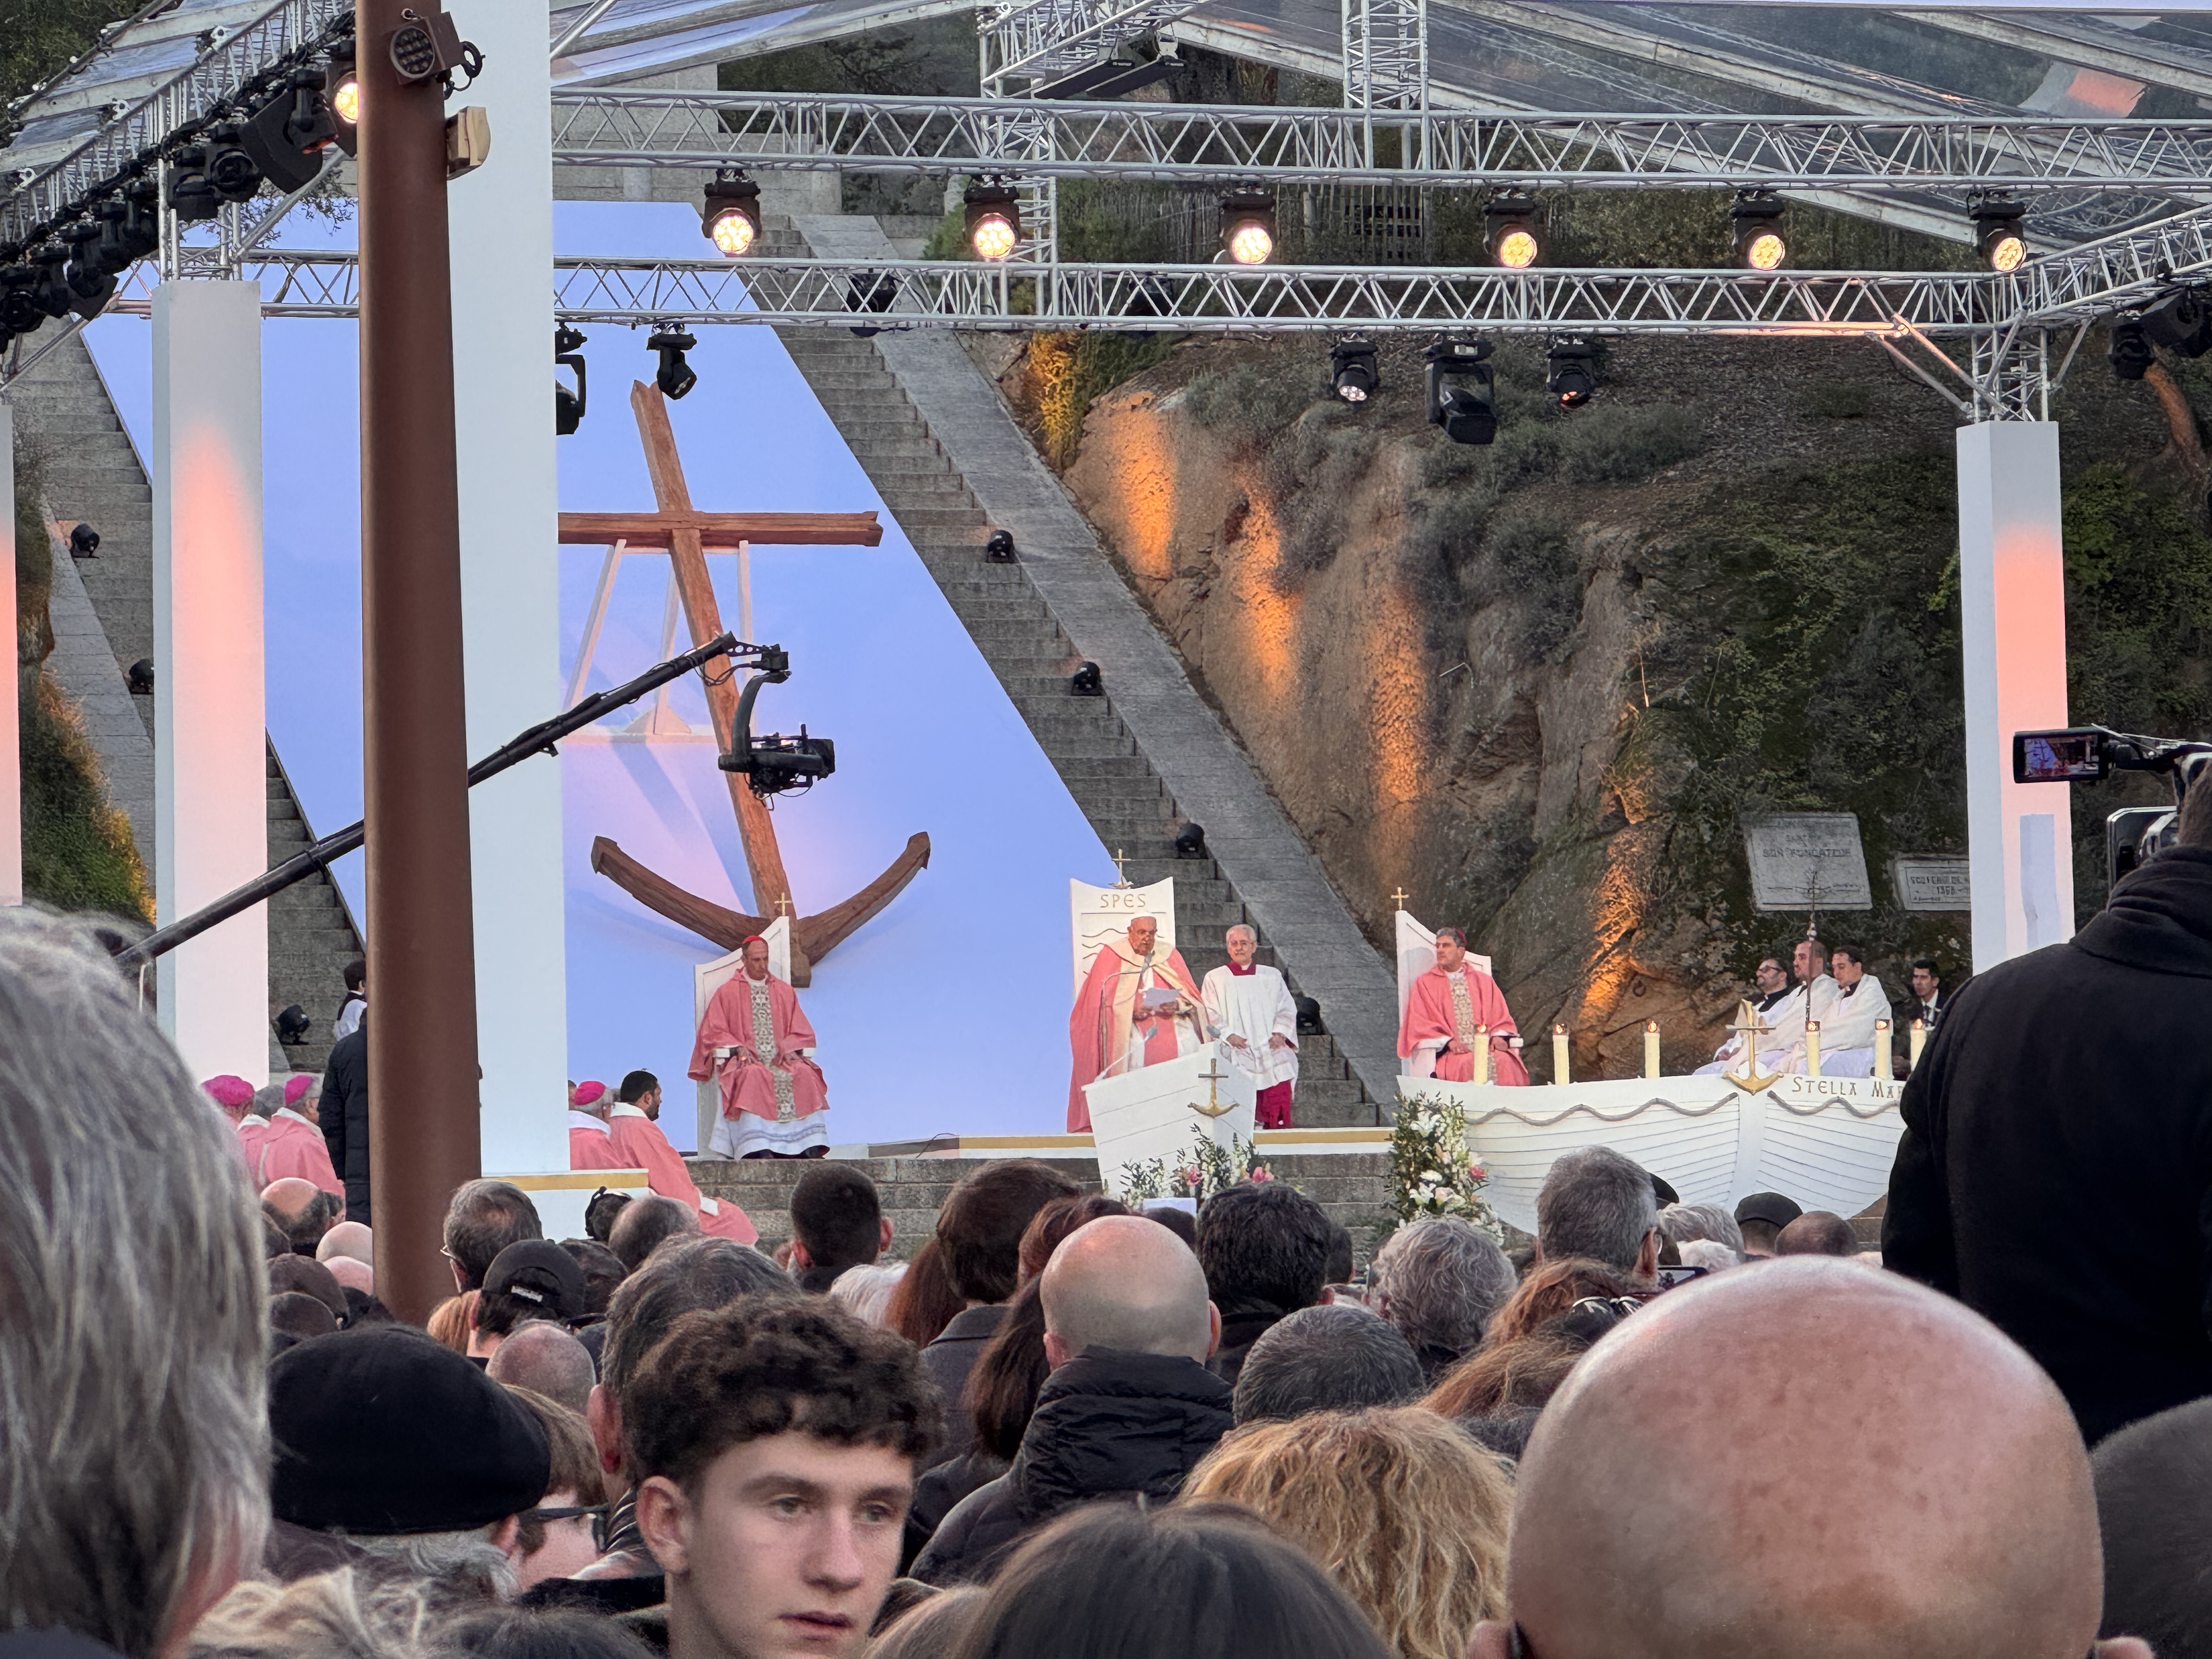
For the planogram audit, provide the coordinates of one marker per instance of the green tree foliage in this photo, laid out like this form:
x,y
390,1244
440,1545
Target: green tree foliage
x,y
78,850
38,37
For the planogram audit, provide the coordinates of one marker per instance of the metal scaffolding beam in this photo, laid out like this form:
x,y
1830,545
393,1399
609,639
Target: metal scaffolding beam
x,y
1037,41
1212,143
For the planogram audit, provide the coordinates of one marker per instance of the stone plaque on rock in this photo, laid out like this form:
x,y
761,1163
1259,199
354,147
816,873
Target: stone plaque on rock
x,y
1807,861
1931,882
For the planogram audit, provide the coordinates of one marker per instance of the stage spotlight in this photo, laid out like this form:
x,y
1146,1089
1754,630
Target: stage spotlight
x,y
285,137
293,1026
1462,394
51,288
1248,226
343,87
142,217
84,541
567,406
19,302
1309,1011
91,281
1511,240
870,290
999,548
1571,372
1755,220
2130,353
1997,234
1352,373
675,376
191,196
994,221
1087,681
1190,841
2181,322
141,678
730,217
230,171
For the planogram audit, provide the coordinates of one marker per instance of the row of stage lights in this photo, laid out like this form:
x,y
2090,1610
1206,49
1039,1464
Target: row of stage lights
x,y
730,217
273,130
1459,386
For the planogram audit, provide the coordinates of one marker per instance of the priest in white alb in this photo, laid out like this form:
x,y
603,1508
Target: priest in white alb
x,y
1781,1047
1847,1028
1250,1007
759,1048
1137,1007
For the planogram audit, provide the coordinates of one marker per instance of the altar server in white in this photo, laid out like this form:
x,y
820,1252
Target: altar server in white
x,y
1249,1006
1847,1028
1782,1044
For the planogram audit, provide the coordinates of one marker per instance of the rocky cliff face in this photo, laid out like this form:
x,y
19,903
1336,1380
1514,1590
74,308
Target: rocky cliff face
x,y
1540,684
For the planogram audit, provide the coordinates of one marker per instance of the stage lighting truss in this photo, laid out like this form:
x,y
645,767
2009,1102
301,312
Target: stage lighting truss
x,y
729,215
1353,374
1461,392
994,217
1755,227
2181,322
1510,237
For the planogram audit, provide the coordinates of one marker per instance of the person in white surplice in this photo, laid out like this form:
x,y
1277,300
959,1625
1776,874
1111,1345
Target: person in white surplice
x,y
1847,1028
1247,1004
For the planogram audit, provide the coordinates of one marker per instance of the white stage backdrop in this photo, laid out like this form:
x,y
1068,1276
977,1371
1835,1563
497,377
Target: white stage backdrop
x,y
949,1011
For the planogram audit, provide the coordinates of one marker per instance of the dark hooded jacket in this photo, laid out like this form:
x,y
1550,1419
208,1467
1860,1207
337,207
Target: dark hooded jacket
x,y
342,1110
2056,1169
1108,1425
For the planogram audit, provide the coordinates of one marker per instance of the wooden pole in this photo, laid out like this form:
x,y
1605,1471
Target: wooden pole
x,y
423,1135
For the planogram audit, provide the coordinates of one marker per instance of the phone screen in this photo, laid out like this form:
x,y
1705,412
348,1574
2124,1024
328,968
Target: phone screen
x,y
2057,756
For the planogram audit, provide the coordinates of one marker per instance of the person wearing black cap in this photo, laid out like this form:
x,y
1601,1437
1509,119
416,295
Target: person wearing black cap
x,y
424,1464
533,1279
1761,1218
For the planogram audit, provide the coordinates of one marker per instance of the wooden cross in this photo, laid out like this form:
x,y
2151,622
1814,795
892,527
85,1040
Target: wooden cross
x,y
686,533
1400,897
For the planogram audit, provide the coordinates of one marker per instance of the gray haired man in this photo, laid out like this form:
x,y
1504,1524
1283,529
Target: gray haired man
x,y
1439,1280
134,1433
1597,1204
1249,1006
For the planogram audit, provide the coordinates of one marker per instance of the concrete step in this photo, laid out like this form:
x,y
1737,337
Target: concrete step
x,y
937,515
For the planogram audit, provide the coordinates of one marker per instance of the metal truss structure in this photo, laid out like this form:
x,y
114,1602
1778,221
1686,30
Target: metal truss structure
x,y
1211,143
222,65
1386,65
1034,41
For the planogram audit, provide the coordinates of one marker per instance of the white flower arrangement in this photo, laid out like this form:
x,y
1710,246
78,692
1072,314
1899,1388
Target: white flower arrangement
x,y
1433,1172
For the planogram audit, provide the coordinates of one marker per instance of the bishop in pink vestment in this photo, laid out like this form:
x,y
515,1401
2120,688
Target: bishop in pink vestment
x,y
589,1146
1110,1033
1443,1010
288,1144
635,1130
772,1090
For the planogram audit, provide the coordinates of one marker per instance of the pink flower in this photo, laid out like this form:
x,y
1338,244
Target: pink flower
x,y
1475,1171
1190,1174
1262,1172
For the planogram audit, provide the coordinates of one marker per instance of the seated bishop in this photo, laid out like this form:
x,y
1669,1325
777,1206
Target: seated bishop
x,y
758,1046
589,1146
1250,1007
1137,1007
1847,1028
281,1143
1445,1011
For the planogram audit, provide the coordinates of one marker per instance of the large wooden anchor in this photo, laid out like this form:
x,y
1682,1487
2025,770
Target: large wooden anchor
x,y
686,534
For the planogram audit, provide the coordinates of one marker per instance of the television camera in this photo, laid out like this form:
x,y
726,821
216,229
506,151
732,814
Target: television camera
x,y
775,764
2086,754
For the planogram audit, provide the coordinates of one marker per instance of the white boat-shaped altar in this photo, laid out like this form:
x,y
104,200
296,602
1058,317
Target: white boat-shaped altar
x,y
1827,1142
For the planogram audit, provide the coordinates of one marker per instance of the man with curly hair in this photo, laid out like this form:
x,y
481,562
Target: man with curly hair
x,y
774,1447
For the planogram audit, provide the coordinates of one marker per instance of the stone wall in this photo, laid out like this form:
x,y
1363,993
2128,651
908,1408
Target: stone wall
x,y
1354,1188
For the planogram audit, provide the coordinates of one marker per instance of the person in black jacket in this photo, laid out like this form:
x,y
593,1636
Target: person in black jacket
x,y
2056,1169
1265,1247
343,1112
1129,1409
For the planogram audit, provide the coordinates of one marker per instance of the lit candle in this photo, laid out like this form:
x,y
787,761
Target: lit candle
x,y
1651,1047
1559,1054
1881,1061
1812,1047
1917,1042
1482,1054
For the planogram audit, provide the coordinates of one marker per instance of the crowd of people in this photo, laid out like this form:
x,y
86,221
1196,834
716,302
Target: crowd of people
x,y
1063,1429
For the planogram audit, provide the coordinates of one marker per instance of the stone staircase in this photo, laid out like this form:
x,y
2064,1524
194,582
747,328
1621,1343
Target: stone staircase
x,y
312,934
90,472
1086,740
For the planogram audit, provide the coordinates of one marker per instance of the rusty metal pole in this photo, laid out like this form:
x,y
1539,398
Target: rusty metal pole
x,y
422,1133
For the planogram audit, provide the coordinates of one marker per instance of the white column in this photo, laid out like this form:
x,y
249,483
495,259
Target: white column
x,y
502,219
210,729
2012,588
11,754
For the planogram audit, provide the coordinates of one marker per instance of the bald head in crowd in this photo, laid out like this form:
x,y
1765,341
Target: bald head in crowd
x,y
1817,1232
543,1356
1126,1282
1869,1469
348,1238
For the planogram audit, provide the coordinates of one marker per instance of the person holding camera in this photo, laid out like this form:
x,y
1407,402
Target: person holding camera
x,y
2056,1169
